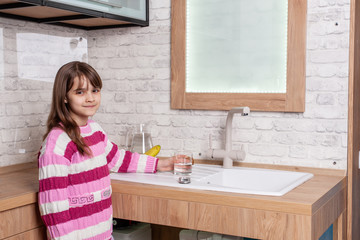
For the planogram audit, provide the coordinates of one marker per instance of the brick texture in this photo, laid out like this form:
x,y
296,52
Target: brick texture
x,y
135,66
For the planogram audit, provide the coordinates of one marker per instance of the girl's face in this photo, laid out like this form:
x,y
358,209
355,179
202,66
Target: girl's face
x,y
83,101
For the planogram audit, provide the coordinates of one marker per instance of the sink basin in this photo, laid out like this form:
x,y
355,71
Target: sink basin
x,y
237,179
256,181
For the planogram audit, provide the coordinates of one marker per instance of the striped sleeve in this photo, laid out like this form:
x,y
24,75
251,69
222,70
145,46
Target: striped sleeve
x,y
53,196
120,160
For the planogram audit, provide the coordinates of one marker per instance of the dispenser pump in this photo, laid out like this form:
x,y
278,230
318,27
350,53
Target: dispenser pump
x,y
141,128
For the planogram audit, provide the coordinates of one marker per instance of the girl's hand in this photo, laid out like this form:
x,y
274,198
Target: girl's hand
x,y
165,165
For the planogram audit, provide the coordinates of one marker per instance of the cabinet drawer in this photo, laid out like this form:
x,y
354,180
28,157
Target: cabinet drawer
x,y
19,220
34,234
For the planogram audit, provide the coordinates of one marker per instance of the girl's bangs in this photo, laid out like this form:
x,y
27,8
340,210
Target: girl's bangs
x,y
90,78
94,79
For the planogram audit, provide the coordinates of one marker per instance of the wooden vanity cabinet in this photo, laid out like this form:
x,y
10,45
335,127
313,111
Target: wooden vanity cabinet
x,y
22,223
306,212
19,211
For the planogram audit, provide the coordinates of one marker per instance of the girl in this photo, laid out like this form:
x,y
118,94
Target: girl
x,y
76,157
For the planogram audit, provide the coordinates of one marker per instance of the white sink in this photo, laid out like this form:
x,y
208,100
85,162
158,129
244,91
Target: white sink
x,y
237,179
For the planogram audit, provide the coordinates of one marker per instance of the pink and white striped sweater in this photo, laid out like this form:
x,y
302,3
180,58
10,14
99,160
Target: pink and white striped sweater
x,y
75,190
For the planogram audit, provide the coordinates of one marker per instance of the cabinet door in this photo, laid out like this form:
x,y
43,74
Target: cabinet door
x,y
19,220
34,234
135,9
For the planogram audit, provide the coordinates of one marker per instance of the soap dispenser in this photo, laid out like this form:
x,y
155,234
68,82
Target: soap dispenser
x,y
141,140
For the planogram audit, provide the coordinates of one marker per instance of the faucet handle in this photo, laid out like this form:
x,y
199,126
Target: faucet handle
x,y
244,111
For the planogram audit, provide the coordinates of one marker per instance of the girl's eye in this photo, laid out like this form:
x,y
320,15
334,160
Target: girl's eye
x,y
79,92
96,90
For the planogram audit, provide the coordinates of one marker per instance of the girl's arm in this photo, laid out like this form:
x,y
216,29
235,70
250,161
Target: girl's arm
x,y
119,160
53,197
126,161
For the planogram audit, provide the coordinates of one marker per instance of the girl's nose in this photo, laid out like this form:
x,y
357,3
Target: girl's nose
x,y
90,97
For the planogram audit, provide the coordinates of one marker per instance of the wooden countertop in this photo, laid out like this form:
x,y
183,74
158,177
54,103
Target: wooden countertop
x,y
305,199
303,213
306,212
19,186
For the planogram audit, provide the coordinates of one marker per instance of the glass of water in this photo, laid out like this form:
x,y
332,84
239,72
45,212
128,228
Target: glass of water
x,y
183,166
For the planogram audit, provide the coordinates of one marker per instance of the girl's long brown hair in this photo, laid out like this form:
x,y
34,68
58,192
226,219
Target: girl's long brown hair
x,y
60,113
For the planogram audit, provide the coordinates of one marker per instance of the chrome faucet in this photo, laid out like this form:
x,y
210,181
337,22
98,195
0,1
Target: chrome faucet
x,y
244,111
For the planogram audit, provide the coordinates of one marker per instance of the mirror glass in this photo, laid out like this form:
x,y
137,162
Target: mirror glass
x,y
236,46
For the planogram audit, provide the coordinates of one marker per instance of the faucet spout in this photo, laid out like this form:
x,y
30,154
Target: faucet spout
x,y
244,111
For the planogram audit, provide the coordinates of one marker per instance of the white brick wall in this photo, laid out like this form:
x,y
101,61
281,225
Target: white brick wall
x,y
30,55
135,66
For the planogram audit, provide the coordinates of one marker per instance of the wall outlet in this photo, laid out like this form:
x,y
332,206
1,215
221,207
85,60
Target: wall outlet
x,y
22,150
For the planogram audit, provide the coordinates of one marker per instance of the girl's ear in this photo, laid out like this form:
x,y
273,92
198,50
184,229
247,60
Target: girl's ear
x,y
65,100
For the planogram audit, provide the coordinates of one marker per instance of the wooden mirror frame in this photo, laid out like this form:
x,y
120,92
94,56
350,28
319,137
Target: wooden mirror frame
x,y
291,101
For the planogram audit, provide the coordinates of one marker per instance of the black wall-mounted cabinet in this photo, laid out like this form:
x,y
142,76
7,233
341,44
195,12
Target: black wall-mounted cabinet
x,y
83,14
